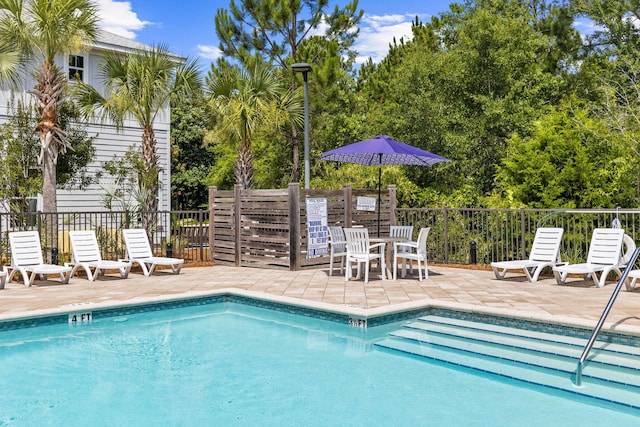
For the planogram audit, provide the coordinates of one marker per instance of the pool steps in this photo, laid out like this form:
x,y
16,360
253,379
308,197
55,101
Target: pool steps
x,y
612,372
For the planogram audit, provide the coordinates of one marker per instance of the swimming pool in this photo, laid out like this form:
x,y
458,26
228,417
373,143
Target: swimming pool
x,y
230,364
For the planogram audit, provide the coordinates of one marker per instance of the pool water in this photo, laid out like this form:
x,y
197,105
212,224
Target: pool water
x,y
227,364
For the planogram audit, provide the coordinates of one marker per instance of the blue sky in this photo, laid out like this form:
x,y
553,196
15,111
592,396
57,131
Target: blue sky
x,y
188,28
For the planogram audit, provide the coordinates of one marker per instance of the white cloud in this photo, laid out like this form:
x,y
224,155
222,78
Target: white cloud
x,y
378,31
209,52
117,17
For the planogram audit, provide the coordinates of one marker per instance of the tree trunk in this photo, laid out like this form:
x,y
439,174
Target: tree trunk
x,y
149,182
50,84
49,199
244,166
49,90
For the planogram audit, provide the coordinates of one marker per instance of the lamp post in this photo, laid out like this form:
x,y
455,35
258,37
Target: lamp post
x,y
304,68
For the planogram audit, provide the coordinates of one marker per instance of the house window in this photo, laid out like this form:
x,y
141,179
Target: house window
x,y
76,68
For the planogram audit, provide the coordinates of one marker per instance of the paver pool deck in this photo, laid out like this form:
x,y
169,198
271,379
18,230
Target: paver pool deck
x,y
577,303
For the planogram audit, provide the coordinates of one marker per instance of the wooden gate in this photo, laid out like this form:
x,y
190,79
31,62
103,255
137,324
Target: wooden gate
x,y
268,228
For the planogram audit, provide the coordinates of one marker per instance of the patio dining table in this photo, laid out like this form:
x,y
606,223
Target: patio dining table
x,y
388,248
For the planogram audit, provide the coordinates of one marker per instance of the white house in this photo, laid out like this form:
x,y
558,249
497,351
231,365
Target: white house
x,y
109,141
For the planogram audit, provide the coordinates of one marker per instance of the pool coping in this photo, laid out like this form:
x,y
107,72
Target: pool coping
x,y
350,314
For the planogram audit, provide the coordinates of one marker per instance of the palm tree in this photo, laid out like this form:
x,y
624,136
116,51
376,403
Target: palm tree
x,y
139,85
9,65
245,100
34,32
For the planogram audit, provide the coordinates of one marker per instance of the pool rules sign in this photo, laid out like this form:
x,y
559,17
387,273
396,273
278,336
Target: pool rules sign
x,y
317,231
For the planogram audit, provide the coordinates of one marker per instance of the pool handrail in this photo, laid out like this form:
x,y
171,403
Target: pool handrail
x,y
604,315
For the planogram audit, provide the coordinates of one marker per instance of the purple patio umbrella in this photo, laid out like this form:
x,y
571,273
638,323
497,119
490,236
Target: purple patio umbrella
x,y
382,150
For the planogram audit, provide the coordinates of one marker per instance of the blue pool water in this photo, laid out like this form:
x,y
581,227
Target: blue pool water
x,y
231,365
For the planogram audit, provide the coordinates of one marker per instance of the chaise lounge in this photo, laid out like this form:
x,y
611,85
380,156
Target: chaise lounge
x,y
86,255
545,252
26,257
603,257
139,251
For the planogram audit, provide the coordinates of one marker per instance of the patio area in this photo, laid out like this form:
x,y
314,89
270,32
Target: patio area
x,y
577,303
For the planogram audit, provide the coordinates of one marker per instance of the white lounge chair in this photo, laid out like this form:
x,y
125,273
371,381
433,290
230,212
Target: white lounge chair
x,y
632,280
139,251
86,255
337,247
359,250
603,257
545,252
26,257
405,250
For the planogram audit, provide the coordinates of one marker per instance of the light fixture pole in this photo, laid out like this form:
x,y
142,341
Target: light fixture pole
x,y
304,68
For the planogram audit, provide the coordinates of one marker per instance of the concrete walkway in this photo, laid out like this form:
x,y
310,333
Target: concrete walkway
x,y
577,303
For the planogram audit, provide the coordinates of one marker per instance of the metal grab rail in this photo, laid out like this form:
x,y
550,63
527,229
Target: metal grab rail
x,y
604,315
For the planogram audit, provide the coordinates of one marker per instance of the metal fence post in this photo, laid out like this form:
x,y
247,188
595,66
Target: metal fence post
x,y
523,234
200,235
446,234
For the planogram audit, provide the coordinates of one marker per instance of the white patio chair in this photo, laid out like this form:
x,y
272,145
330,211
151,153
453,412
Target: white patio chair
x,y
337,247
603,257
545,252
359,250
139,251
402,232
412,251
26,257
86,255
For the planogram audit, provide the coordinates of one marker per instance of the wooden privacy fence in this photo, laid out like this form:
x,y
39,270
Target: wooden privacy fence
x,y
268,228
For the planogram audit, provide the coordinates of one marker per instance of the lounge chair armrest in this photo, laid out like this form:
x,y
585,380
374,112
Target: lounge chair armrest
x,y
377,245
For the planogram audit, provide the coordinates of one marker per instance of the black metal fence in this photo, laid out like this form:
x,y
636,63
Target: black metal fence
x,y
463,236
182,234
458,236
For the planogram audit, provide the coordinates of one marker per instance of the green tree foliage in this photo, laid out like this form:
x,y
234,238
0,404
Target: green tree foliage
x,y
72,165
586,149
276,32
245,103
529,114
616,25
468,81
191,161
20,148
571,160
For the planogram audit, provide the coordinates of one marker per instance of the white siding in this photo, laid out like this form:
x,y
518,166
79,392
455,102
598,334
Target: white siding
x,y
109,144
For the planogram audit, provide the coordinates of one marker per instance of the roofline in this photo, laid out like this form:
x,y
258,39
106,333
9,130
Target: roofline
x,y
108,41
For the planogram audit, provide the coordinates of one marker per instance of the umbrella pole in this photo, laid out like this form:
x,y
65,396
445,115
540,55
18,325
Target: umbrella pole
x,y
379,194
